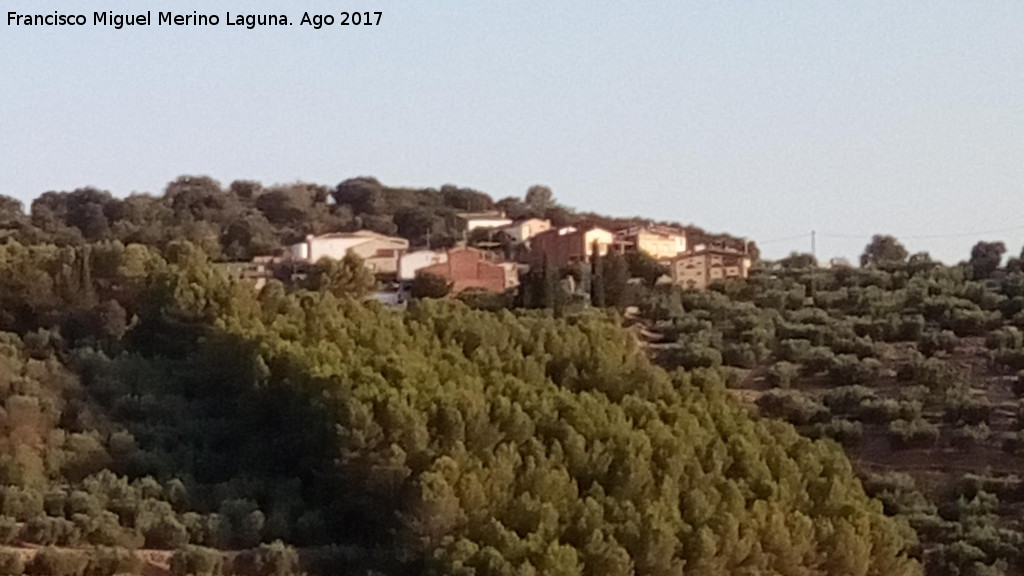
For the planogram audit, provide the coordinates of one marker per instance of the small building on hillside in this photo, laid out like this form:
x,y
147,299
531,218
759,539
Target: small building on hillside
x,y
523,230
661,242
412,262
380,253
562,246
698,268
473,220
838,262
467,268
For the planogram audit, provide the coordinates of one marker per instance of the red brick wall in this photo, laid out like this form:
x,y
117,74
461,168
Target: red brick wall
x,y
465,269
559,249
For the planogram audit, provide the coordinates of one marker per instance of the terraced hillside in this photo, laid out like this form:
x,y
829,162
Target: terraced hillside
x,y
911,366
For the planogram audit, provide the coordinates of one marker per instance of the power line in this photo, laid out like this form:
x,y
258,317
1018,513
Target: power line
x,y
785,239
926,236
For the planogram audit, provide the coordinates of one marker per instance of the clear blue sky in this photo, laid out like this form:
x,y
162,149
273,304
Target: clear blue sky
x,y
763,119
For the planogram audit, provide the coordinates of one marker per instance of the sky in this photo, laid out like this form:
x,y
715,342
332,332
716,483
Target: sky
x,y
762,119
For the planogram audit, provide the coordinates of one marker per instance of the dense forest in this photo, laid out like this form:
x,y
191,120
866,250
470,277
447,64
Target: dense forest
x,y
159,415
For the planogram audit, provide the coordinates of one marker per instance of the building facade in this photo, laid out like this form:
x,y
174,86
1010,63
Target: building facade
x,y
697,269
659,241
380,253
412,262
467,268
523,230
473,220
564,246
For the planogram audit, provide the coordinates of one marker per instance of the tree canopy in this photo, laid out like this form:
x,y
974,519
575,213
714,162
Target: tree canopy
x,y
883,250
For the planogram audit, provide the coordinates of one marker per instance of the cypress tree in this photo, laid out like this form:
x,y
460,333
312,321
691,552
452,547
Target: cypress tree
x,y
597,285
548,285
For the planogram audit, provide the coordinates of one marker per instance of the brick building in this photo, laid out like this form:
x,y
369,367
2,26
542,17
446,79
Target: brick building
x,y
563,246
468,268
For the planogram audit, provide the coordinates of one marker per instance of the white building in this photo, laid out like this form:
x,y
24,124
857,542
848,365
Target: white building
x,y
474,220
409,263
523,230
380,253
334,246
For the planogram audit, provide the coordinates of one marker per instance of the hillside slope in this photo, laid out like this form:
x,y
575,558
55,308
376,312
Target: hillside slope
x,y
911,367
442,440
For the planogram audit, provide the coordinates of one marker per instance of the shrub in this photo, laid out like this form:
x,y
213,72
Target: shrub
x,y
53,562
1006,337
793,350
915,393
197,561
1012,442
9,529
792,406
1018,384
910,328
79,502
980,504
55,503
1007,488
933,373
166,533
974,322
273,559
693,355
889,482
859,347
782,374
104,529
908,371
105,561
964,409
912,434
1012,307
846,399
739,355
487,300
846,432
50,531
732,377
886,410
430,286
245,519
813,333
1013,359
819,359
932,527
847,369
966,437
21,503
932,342
11,563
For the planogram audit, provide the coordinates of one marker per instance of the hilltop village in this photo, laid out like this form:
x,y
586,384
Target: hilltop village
x,y
496,252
